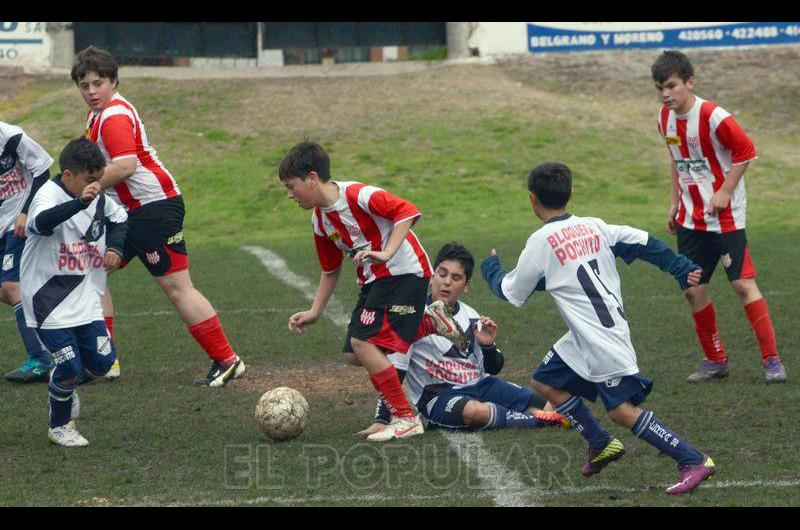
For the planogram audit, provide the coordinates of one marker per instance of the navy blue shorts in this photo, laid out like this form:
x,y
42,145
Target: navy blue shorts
x,y
446,410
11,246
554,372
83,347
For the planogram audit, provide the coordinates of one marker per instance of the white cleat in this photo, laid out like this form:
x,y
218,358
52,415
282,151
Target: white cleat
x,y
398,428
113,373
67,436
442,316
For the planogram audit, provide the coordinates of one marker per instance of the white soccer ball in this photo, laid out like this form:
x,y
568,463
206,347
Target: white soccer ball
x,y
282,413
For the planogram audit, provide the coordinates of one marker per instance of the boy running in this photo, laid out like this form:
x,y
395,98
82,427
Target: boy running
x,y
24,167
455,389
374,228
139,181
709,155
75,235
574,259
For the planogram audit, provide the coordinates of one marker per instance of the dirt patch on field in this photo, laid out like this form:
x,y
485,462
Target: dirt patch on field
x,y
350,383
13,81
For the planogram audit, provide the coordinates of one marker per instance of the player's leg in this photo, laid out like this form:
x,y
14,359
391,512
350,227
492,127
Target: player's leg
x,y
741,273
68,367
560,385
108,318
622,400
388,322
703,249
37,366
503,404
382,415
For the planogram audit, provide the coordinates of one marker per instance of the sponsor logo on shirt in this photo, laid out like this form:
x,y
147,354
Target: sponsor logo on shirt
x,y
79,256
11,183
693,141
103,345
367,317
8,262
403,309
673,140
353,230
177,238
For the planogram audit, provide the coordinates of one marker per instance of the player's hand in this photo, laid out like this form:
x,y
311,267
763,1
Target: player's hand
x,y
112,261
299,321
373,256
372,429
719,201
493,252
671,223
693,278
90,192
19,225
485,331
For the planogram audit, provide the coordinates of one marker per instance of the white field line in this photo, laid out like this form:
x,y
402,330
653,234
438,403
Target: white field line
x,y
278,268
506,487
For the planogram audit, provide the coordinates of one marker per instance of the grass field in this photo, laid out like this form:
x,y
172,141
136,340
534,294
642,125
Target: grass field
x,y
458,141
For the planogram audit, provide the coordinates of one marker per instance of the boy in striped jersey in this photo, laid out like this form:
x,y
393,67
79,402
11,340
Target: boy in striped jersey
x,y
24,168
374,228
709,153
139,181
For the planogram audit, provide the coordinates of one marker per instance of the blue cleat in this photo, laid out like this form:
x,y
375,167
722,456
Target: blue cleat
x,y
774,372
31,371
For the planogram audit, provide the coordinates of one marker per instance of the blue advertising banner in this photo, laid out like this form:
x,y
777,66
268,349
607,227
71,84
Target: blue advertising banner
x,y
559,38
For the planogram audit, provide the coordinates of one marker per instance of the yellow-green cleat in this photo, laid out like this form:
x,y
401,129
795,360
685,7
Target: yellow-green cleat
x,y
600,458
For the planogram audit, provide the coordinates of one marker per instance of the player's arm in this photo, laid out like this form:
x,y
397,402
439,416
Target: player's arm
x,y
631,244
401,212
519,284
119,141
327,284
396,238
46,219
733,137
22,218
675,197
116,231
37,162
485,331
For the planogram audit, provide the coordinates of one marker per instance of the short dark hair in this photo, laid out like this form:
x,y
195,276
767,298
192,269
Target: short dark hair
x,y
302,159
456,252
81,154
669,63
93,59
551,182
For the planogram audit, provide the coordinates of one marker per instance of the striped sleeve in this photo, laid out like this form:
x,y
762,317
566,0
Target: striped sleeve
x,y
733,137
384,204
118,136
330,256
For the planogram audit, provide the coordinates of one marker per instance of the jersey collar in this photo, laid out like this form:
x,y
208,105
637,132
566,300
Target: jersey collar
x,y
60,183
559,218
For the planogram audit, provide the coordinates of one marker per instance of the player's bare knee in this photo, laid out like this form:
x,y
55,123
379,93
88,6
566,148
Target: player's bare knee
x,y
745,290
544,390
625,414
476,413
9,293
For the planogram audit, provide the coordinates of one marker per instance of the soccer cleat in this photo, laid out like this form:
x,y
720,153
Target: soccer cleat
x,y
600,458
113,373
31,371
689,477
708,371
774,372
222,373
550,418
441,316
67,436
398,428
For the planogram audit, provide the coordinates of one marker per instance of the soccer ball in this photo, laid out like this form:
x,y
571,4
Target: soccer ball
x,y
282,413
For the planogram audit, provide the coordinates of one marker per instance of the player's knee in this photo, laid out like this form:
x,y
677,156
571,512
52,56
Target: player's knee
x,y
9,293
476,413
543,390
624,414
745,289
351,359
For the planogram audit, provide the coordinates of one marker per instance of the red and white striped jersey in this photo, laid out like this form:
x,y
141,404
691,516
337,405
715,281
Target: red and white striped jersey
x,y
705,144
362,218
119,132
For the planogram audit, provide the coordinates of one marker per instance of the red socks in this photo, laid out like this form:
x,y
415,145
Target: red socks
x,y
210,336
705,323
110,326
387,383
758,315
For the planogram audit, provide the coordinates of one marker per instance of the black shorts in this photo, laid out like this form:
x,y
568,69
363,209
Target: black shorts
x,y
707,248
155,234
388,313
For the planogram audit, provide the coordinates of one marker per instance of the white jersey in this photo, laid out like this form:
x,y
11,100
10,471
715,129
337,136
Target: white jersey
x,y
21,160
573,258
62,275
434,360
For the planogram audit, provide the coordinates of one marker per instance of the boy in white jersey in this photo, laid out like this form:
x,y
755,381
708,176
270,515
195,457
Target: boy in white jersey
x,y
455,389
75,236
24,167
135,176
709,154
374,228
573,258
